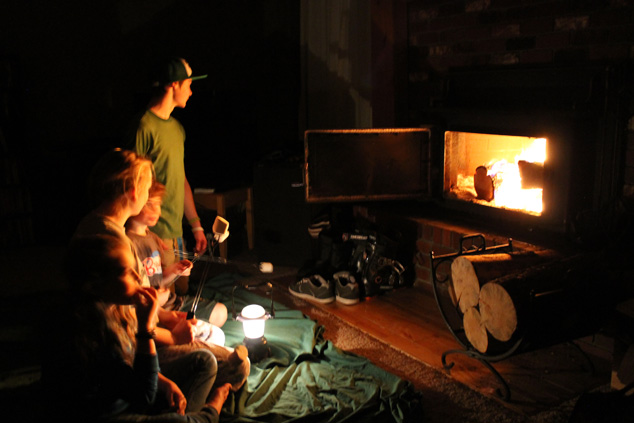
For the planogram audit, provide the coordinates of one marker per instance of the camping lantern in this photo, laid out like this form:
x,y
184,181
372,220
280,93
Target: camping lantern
x,y
253,318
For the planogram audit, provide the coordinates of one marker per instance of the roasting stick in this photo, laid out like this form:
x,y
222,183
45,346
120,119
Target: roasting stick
x,y
220,233
199,291
191,257
194,258
202,280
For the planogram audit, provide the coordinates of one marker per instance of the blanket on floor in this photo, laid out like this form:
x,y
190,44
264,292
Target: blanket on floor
x,y
306,378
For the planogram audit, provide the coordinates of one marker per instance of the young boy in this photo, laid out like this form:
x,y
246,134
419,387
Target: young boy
x,y
233,364
151,251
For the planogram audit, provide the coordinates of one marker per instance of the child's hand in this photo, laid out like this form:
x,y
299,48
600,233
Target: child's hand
x,y
184,331
175,398
177,269
184,267
146,305
163,296
169,319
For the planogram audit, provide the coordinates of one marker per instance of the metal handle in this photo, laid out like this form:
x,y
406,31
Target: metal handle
x,y
472,237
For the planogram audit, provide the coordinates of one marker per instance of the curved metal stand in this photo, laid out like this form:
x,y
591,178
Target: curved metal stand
x,y
504,392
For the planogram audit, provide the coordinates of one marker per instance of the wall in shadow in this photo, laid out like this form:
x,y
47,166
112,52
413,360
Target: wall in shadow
x,y
82,73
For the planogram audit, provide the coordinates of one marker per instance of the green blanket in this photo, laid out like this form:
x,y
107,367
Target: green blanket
x,y
307,378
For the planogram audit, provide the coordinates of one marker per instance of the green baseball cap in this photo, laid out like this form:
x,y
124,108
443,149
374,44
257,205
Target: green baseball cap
x,y
172,70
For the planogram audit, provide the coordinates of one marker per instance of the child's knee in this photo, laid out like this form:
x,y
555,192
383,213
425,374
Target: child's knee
x,y
218,315
205,361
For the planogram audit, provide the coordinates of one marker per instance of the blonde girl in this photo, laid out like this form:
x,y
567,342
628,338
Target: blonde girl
x,y
103,366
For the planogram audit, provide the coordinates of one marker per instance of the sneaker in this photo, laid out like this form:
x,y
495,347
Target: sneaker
x,y
346,288
314,288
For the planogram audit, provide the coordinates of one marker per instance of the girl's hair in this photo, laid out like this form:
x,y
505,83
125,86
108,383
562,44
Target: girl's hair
x,y
116,173
99,327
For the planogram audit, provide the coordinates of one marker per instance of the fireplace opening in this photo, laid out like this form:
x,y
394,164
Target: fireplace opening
x,y
557,133
500,171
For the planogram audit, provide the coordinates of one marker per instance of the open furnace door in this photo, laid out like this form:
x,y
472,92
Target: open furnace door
x,y
367,164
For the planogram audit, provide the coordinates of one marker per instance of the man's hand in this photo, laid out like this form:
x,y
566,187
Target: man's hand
x,y
201,241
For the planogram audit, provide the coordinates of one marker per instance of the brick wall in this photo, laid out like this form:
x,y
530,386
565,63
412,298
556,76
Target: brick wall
x,y
423,235
445,34
442,237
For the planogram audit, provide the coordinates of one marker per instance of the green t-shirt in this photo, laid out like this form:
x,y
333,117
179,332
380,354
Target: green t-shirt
x,y
163,141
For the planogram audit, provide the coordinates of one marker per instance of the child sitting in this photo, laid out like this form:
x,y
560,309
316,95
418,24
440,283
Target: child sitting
x,y
103,364
120,183
150,250
233,364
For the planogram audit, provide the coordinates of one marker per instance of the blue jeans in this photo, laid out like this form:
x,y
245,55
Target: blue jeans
x,y
195,373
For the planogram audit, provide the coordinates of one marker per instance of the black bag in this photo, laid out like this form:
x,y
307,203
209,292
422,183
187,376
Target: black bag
x,y
333,256
374,263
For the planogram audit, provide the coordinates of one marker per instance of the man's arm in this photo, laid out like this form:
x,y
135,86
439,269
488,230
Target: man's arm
x,y
192,217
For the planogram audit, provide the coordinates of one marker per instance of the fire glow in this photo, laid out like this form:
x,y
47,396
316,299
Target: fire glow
x,y
514,166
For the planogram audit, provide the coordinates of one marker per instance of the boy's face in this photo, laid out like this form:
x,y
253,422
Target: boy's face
x,y
182,92
151,212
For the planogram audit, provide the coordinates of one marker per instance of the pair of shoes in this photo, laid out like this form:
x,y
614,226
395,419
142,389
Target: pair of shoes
x,y
314,288
342,288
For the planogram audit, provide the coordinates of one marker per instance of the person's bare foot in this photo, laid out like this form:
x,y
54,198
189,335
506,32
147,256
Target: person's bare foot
x,y
219,396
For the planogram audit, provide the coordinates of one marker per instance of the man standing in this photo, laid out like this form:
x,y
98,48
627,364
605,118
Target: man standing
x,y
161,137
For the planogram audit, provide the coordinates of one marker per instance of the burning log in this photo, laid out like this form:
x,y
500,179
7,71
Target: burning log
x,y
470,272
532,174
483,184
